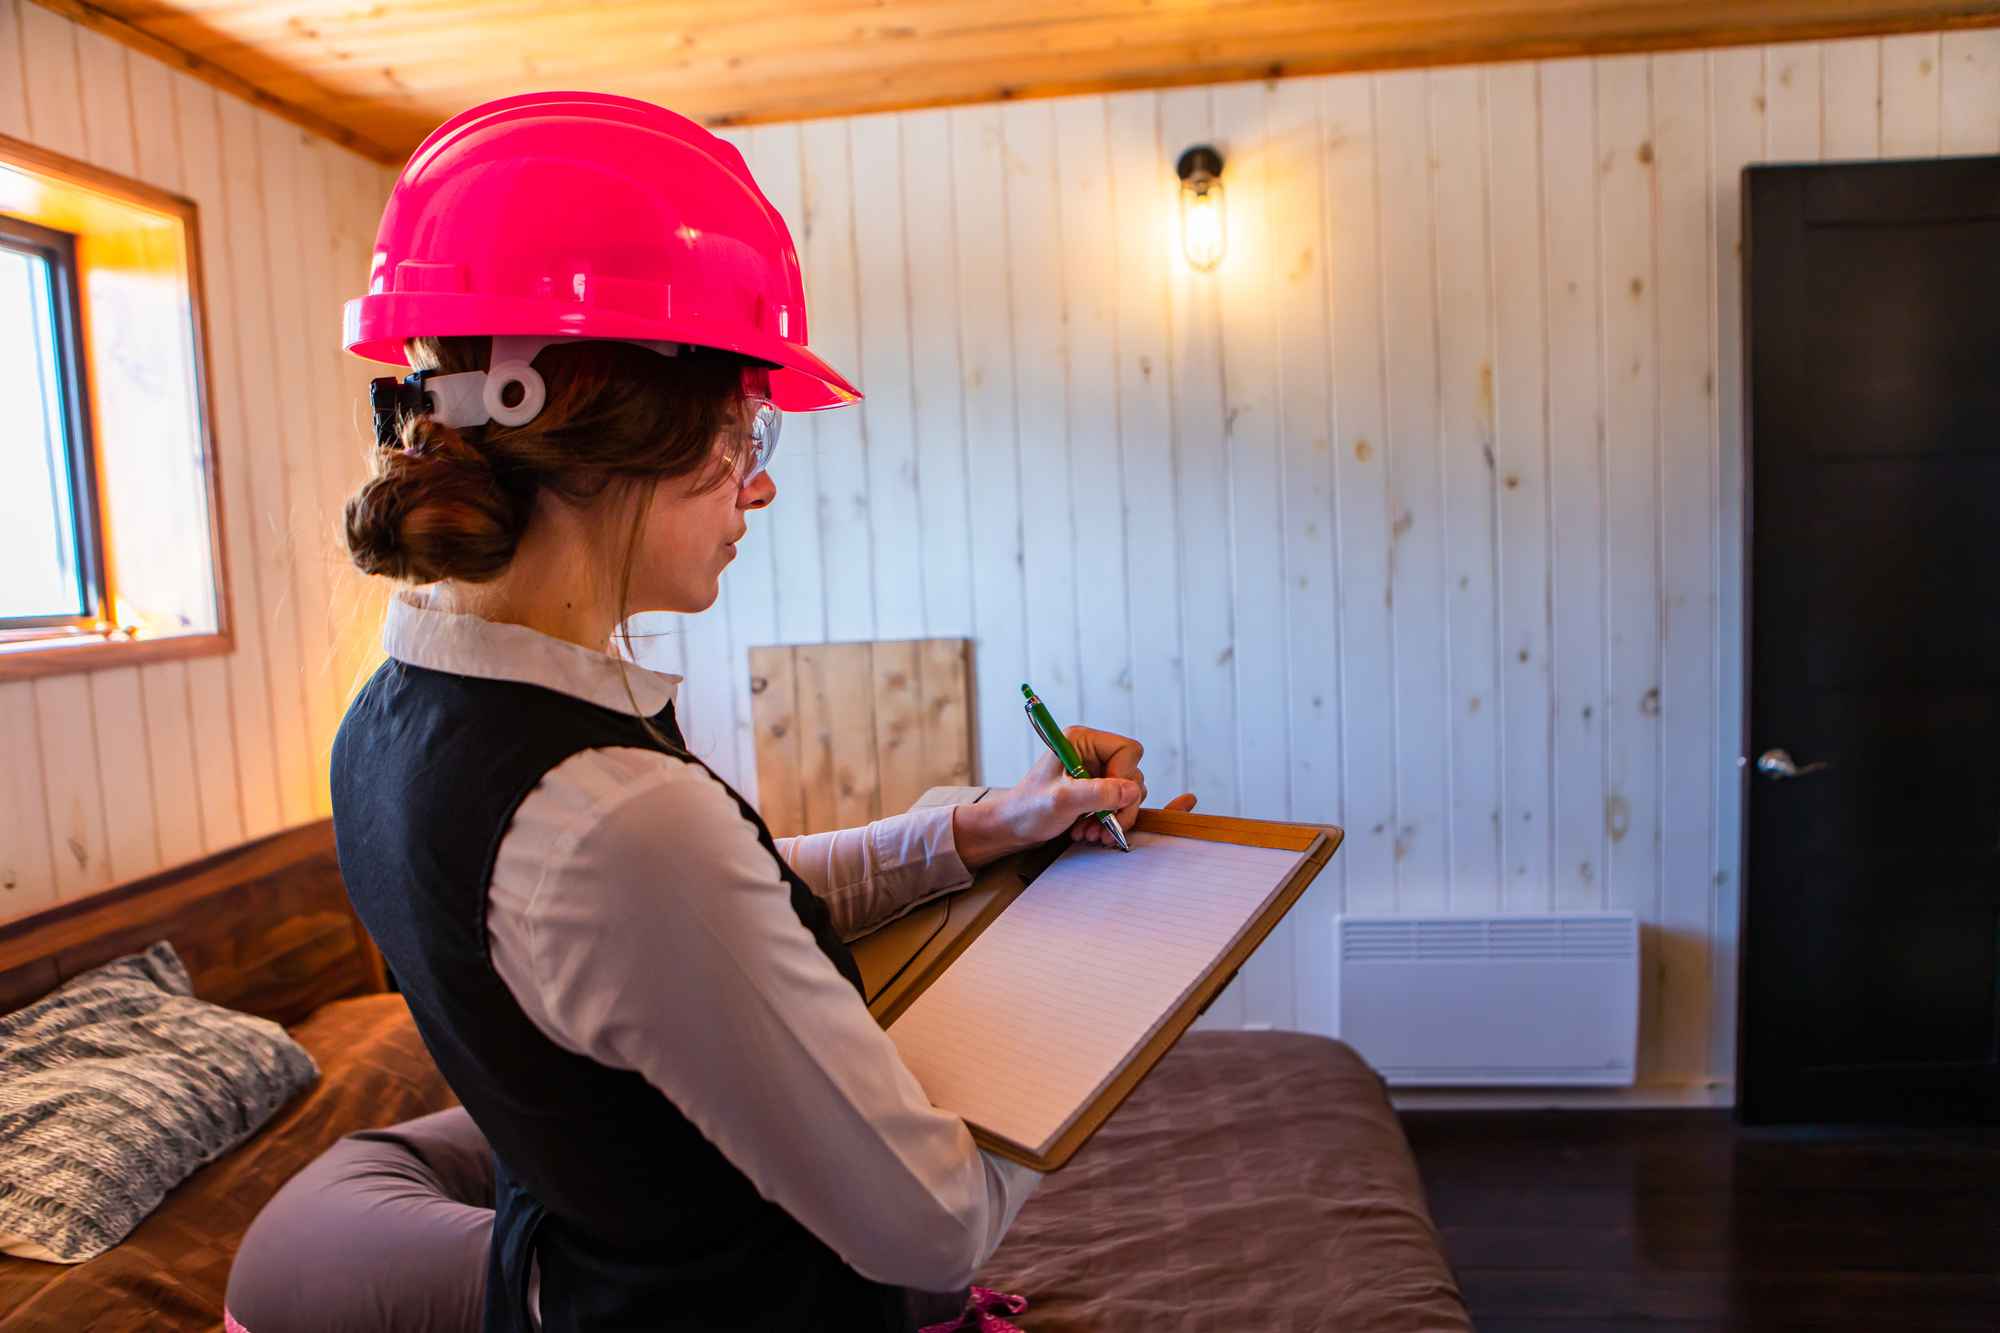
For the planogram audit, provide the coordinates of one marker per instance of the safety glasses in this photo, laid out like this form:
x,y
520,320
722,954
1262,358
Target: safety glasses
x,y
755,451
752,455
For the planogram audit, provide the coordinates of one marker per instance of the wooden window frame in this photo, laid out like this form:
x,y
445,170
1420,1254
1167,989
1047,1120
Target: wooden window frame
x,y
96,644
58,250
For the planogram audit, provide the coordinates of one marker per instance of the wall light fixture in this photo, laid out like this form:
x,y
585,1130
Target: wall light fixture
x,y
1204,230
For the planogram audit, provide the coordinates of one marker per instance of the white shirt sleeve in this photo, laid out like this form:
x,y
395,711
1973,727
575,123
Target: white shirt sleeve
x,y
869,876
640,923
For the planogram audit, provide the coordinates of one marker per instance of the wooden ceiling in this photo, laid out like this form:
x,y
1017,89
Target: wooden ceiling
x,y
379,74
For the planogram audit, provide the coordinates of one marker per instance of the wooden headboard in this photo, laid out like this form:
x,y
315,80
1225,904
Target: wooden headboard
x,y
265,928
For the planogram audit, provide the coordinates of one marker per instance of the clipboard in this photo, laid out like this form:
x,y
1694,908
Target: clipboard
x,y
900,961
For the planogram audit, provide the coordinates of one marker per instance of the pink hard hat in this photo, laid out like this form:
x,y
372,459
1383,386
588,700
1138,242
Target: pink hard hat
x,y
584,215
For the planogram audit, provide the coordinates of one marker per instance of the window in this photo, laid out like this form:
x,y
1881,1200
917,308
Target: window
x,y
109,543
47,536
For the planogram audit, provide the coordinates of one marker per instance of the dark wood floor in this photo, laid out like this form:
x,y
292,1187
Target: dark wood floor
x,y
1680,1220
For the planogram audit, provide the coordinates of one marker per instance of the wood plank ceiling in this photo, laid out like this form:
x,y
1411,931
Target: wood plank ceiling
x,y
379,76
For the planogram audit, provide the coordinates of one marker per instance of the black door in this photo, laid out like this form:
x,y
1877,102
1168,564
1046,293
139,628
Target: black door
x,y
1871,945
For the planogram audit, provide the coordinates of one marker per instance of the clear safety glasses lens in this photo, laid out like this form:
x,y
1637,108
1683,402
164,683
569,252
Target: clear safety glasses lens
x,y
766,422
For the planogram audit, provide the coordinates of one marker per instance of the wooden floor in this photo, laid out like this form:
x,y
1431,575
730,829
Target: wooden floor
x,y
1679,1220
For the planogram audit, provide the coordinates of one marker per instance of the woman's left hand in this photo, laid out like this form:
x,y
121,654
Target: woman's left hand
x,y
1048,801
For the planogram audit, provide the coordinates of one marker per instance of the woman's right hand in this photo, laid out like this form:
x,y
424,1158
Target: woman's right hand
x,y
1048,801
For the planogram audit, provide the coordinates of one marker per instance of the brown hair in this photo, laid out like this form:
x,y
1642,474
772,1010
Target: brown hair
x,y
447,502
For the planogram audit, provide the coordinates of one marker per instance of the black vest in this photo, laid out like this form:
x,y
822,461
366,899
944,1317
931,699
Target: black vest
x,y
638,1221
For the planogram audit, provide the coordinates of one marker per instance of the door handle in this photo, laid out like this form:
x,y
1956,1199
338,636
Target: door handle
x,y
1777,765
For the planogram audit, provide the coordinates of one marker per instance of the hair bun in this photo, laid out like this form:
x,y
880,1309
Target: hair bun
x,y
435,509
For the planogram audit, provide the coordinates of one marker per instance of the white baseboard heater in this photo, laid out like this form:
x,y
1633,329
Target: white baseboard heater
x,y
1485,1001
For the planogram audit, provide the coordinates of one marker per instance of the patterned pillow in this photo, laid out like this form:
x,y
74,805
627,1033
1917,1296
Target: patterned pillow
x,y
113,1089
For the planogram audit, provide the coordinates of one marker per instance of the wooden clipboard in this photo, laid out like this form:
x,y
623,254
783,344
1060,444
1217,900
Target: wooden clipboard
x,y
900,961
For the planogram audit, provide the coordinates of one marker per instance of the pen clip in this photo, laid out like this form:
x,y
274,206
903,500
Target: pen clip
x,y
1035,721
1055,743
1052,736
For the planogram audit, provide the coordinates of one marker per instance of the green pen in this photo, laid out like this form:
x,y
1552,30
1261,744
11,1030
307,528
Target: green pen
x,y
1066,755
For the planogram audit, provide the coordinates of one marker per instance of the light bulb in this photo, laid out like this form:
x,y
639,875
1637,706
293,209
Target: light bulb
x,y
1202,229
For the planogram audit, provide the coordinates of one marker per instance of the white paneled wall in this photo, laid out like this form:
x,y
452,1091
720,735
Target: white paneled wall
x,y
112,774
1422,515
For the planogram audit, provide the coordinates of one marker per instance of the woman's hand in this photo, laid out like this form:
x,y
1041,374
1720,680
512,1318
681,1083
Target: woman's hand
x,y
1048,801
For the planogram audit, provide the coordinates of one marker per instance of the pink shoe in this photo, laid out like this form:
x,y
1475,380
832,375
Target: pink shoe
x,y
985,1312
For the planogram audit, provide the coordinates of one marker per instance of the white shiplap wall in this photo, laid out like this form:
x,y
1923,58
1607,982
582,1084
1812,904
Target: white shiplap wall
x,y
1422,515
112,774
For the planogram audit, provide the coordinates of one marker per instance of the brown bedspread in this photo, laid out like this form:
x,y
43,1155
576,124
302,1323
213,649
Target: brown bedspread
x,y
1185,1214
171,1272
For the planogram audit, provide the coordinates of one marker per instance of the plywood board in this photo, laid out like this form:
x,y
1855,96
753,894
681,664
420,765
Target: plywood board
x,y
848,732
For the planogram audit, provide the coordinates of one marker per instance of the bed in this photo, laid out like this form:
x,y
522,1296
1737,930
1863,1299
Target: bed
x,y
1254,1181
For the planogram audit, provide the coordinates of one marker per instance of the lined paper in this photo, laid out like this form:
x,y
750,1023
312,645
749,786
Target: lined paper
x,y
1024,1029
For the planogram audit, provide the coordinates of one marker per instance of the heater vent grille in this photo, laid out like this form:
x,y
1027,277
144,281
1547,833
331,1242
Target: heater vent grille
x,y
1433,939
1491,1000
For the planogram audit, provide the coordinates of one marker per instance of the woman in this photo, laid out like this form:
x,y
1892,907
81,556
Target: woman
x,y
645,1002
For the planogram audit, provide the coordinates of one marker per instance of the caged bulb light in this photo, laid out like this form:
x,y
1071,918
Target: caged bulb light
x,y
1204,227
